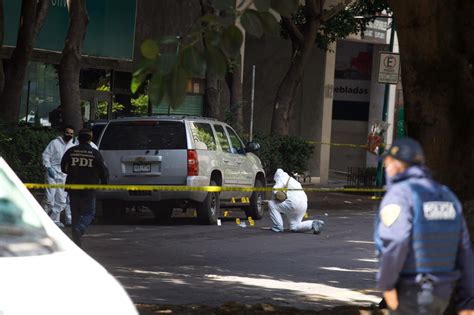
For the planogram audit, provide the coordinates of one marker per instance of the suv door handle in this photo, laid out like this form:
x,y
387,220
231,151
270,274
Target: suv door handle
x,y
225,161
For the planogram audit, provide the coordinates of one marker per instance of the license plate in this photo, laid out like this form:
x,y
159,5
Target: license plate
x,y
141,168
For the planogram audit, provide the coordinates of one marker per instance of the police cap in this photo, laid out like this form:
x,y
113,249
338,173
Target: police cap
x,y
407,150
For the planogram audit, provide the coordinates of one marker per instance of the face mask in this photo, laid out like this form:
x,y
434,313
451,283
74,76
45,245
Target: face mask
x,y
67,137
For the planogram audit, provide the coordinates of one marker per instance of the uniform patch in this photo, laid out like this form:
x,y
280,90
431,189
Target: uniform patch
x,y
439,210
389,214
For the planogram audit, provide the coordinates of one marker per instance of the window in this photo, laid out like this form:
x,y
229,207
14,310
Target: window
x,y
237,146
222,138
203,135
144,135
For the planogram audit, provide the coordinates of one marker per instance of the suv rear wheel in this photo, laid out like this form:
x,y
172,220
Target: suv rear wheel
x,y
255,209
208,211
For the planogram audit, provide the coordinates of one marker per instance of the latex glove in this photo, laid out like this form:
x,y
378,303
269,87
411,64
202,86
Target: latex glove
x,y
51,172
466,312
391,298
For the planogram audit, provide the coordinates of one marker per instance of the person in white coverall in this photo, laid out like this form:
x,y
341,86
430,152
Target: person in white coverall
x,y
294,207
56,198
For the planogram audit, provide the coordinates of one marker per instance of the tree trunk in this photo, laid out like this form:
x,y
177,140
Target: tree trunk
x,y
211,96
437,56
2,27
302,44
211,91
70,65
235,87
33,14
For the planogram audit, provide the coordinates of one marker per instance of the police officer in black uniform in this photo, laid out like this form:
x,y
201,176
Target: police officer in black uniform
x,y
83,165
422,239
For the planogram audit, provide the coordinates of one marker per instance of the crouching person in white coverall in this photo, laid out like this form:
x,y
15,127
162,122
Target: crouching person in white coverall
x,y
294,207
55,198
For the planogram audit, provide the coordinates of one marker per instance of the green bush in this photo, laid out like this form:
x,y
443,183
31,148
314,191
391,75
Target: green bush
x,y
22,147
286,152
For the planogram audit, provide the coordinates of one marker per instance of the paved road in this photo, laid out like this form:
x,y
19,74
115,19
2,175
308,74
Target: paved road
x,y
183,263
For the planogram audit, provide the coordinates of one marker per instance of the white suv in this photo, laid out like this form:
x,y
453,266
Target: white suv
x,y
179,150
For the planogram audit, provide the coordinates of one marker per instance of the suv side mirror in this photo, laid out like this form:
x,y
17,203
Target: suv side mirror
x,y
252,147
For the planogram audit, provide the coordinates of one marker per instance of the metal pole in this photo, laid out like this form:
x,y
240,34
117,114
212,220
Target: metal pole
x,y
27,102
252,103
379,176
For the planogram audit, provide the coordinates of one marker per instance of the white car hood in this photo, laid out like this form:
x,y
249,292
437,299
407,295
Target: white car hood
x,y
65,282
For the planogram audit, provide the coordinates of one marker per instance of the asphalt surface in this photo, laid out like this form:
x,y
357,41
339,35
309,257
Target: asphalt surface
x,y
181,262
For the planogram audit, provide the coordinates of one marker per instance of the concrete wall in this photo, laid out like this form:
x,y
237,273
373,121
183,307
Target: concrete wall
x,y
346,131
271,56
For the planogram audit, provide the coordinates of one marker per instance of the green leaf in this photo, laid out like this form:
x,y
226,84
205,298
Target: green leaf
x,y
193,61
144,66
262,5
156,89
166,63
212,37
231,40
227,20
137,81
216,61
150,49
285,7
177,86
167,40
209,19
270,24
251,23
223,4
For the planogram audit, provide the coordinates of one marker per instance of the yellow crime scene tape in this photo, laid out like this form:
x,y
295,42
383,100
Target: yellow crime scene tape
x,y
348,145
193,188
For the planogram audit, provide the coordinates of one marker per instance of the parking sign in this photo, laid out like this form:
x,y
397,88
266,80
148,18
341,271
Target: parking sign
x,y
389,68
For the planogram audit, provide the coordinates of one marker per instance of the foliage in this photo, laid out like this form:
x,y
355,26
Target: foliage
x,y
102,106
352,20
140,105
215,41
22,148
286,152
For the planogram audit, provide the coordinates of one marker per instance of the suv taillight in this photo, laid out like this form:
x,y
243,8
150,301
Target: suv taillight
x,y
193,165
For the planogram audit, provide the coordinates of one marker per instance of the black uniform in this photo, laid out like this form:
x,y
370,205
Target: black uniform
x,y
83,165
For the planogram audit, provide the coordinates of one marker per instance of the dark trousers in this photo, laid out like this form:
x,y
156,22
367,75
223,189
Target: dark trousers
x,y
417,300
83,211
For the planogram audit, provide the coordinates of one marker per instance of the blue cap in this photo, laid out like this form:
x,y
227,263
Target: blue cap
x,y
407,150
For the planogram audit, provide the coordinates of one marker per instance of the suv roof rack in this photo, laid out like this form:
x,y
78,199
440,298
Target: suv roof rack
x,y
176,116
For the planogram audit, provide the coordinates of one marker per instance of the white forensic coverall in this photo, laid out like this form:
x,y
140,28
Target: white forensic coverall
x,y
55,199
294,207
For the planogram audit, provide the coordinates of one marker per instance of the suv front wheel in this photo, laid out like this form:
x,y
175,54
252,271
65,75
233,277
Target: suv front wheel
x,y
255,209
208,211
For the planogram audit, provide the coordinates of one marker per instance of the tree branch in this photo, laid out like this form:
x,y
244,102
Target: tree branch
x,y
40,16
293,30
329,14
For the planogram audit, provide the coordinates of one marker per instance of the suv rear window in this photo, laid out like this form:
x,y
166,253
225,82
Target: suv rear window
x,y
144,135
